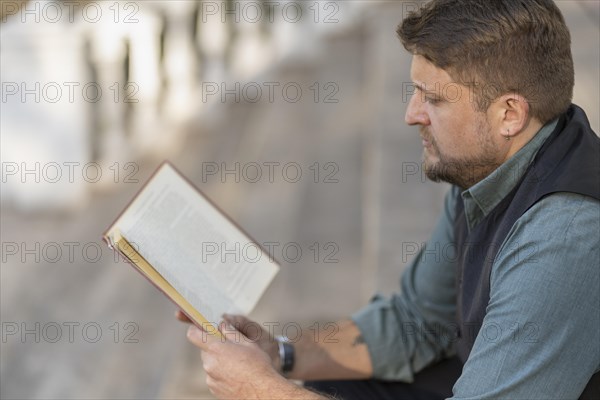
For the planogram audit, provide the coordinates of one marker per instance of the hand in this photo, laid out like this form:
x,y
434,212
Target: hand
x,y
346,356
250,329
236,367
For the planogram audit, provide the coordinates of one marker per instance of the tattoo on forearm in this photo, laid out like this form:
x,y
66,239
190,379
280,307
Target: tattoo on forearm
x,y
358,341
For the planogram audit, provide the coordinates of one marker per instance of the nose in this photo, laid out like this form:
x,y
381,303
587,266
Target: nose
x,y
415,112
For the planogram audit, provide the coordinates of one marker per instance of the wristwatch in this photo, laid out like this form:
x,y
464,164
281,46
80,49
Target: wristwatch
x,y
286,354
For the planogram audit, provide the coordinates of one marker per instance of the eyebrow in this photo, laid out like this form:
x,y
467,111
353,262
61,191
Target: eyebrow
x,y
422,88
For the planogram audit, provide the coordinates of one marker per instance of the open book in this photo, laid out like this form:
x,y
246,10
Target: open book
x,y
174,236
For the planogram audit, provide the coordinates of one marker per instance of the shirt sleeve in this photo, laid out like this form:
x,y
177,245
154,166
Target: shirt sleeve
x,y
416,327
540,338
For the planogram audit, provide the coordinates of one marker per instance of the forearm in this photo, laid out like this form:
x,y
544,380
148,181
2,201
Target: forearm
x,y
342,356
289,390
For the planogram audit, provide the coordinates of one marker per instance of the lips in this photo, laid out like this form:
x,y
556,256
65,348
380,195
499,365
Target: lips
x,y
426,142
425,137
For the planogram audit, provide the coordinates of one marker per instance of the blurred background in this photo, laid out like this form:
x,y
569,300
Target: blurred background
x,y
289,115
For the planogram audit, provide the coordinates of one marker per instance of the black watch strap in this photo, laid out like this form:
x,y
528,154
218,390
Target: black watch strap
x,y
286,354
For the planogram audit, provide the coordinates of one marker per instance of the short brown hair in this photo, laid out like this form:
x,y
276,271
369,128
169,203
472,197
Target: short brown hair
x,y
521,46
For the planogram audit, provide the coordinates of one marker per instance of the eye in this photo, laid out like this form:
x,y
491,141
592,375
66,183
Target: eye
x,y
432,100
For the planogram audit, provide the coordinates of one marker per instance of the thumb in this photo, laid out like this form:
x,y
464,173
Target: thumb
x,y
231,334
200,337
247,327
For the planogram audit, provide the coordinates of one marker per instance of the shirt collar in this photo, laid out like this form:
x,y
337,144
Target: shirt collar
x,y
481,198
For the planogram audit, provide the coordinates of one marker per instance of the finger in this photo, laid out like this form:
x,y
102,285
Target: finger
x,y
247,327
209,363
180,315
236,320
200,338
232,334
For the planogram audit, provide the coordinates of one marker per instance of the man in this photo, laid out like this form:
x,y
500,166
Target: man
x,y
512,311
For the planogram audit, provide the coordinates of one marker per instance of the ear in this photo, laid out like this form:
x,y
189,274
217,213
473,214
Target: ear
x,y
510,113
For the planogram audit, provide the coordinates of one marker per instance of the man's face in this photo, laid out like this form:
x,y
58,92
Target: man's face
x,y
458,145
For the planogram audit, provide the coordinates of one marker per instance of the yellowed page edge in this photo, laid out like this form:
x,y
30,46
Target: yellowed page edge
x,y
123,246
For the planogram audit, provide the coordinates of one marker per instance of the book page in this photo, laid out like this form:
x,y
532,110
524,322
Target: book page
x,y
200,252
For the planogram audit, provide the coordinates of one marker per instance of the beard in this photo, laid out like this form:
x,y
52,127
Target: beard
x,y
463,171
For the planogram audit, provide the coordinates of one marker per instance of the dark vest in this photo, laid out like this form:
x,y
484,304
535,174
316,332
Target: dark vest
x,y
568,161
